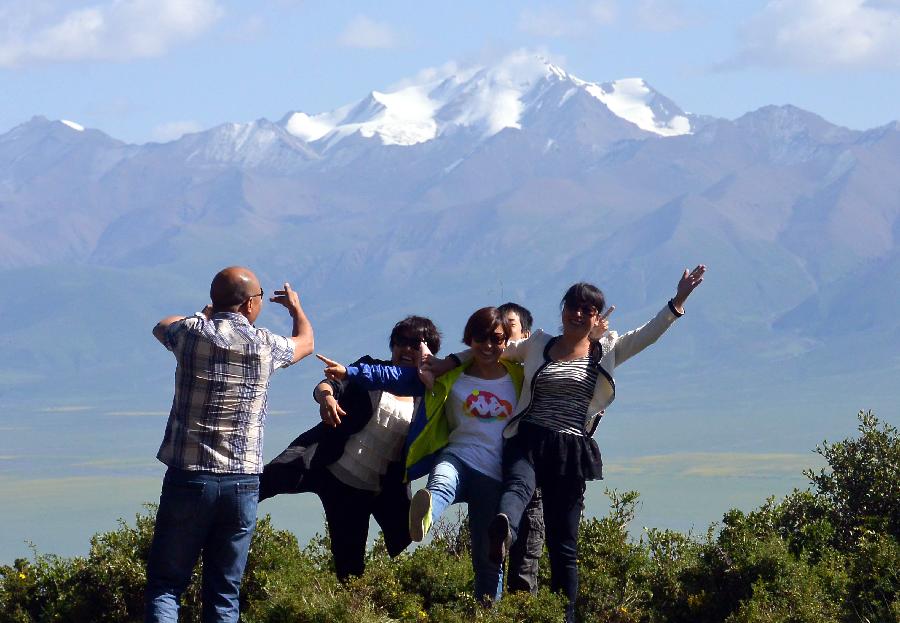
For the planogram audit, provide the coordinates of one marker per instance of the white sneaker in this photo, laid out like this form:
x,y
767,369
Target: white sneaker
x,y
420,515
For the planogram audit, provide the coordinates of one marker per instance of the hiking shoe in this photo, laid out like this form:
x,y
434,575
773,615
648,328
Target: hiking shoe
x,y
499,538
420,515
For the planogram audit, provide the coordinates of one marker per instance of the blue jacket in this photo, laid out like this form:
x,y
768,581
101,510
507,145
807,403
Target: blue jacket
x,y
429,432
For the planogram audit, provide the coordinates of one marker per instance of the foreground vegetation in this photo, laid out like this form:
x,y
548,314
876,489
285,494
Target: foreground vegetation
x,y
828,554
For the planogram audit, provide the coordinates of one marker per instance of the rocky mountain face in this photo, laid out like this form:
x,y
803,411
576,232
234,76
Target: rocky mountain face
x,y
452,192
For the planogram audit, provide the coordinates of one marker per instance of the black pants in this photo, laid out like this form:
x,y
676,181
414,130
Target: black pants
x,y
563,505
525,553
347,512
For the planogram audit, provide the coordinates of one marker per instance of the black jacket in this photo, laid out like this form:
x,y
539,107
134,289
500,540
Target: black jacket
x,y
299,467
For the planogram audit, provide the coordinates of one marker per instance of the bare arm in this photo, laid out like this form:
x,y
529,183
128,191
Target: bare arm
x,y
159,331
302,334
514,351
329,409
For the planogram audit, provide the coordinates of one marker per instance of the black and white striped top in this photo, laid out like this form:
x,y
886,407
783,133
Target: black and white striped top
x,y
562,393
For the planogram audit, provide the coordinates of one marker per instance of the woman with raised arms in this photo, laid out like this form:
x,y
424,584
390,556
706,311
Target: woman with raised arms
x,y
549,442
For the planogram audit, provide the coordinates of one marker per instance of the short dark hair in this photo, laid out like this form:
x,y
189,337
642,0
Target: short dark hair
x,y
484,321
420,328
583,293
524,315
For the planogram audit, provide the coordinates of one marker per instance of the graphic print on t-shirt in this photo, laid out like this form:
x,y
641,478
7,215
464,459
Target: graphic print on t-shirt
x,y
484,405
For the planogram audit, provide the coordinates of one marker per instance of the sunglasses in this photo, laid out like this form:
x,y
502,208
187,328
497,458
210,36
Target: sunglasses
x,y
407,342
260,295
585,310
497,339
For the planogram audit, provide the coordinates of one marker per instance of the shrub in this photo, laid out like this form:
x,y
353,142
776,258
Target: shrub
x,y
829,554
613,569
861,485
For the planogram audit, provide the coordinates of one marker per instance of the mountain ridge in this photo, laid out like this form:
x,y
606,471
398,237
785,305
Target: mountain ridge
x,y
792,213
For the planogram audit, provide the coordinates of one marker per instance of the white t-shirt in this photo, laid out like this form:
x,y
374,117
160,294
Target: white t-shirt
x,y
478,411
368,453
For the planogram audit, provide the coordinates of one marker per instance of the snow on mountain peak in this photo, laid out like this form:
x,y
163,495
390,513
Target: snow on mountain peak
x,y
404,117
75,126
632,100
485,99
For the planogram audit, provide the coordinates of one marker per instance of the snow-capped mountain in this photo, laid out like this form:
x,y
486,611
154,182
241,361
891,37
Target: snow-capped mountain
x,y
485,100
453,190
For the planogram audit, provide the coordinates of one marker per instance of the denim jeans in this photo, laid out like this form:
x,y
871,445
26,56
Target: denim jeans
x,y
201,512
526,550
452,481
563,505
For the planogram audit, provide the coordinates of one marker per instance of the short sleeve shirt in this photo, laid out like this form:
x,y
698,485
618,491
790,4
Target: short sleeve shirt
x,y
478,411
221,382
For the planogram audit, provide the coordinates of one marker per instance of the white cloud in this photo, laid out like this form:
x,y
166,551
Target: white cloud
x,y
822,34
364,32
580,20
66,409
174,130
42,32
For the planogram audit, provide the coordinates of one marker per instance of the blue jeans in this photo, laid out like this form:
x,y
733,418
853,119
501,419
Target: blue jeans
x,y
201,512
452,481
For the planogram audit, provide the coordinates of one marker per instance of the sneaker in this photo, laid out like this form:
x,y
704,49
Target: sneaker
x,y
420,515
499,538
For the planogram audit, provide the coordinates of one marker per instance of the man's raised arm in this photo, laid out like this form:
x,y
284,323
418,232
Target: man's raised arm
x,y
159,331
302,334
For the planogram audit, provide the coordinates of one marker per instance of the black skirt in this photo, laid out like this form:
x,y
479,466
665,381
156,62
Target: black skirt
x,y
554,453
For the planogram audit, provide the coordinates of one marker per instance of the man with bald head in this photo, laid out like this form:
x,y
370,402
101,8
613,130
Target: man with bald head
x,y
213,442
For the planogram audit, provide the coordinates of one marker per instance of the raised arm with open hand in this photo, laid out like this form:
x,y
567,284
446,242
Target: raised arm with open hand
x,y
333,370
302,334
688,282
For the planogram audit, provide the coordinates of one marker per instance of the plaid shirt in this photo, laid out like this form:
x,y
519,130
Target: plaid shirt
x,y
221,381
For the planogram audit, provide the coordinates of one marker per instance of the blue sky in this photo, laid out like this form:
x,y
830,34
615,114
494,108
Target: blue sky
x,y
151,69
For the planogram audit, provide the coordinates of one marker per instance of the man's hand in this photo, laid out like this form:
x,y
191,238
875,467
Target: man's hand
x,y
333,370
302,334
288,298
688,282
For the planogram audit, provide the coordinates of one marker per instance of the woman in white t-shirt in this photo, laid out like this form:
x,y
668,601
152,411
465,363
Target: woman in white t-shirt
x,y
457,434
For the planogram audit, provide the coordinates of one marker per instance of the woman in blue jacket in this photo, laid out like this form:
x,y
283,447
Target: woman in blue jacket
x,y
457,434
354,460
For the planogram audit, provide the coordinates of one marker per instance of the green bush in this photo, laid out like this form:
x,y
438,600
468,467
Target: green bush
x,y
613,569
830,554
861,485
